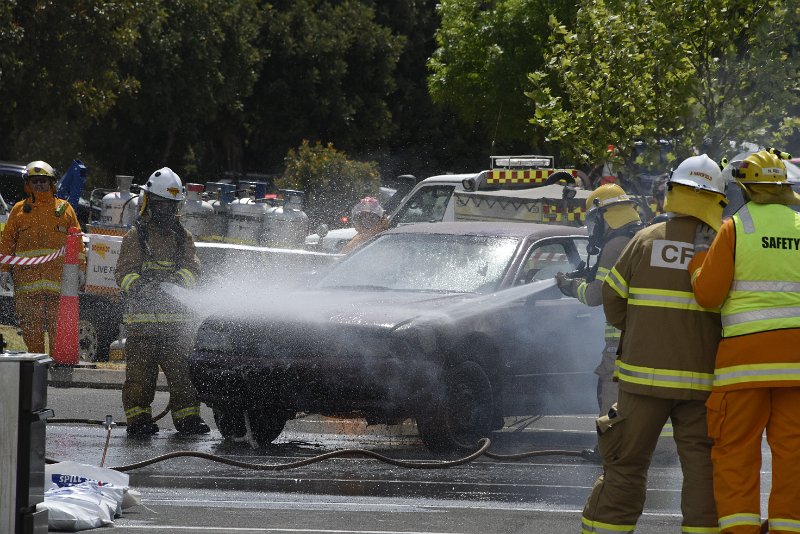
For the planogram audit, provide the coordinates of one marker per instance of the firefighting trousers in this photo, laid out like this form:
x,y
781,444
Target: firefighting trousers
x,y
607,389
618,496
37,313
736,421
143,356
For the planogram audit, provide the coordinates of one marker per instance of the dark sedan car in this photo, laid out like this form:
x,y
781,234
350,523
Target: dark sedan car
x,y
455,324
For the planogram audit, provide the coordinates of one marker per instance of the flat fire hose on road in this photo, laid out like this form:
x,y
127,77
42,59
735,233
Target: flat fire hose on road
x,y
483,450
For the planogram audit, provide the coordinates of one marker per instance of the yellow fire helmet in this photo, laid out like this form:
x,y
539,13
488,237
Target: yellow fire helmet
x,y
760,168
697,188
763,177
616,206
39,168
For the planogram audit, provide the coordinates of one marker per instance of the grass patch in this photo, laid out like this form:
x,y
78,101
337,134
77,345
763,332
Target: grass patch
x,y
12,339
114,366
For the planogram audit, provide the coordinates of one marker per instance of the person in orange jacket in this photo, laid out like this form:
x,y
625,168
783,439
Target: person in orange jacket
x,y
369,220
752,270
37,226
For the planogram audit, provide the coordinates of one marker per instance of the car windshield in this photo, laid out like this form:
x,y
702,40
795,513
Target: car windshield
x,y
426,262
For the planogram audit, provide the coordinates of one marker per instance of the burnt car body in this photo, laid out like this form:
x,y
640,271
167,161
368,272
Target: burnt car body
x,y
455,324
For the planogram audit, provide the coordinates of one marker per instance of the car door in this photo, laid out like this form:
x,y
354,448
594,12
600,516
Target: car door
x,y
558,340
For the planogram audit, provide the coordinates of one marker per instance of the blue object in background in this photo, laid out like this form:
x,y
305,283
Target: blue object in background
x,y
70,185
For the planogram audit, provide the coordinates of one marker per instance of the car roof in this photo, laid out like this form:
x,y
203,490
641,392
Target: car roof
x,y
505,229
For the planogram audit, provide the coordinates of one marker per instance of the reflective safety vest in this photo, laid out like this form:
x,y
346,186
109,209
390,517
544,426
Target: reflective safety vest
x,y
765,293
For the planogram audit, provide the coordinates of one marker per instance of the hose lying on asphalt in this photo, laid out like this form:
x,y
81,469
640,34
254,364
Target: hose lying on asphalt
x,y
485,443
343,453
483,450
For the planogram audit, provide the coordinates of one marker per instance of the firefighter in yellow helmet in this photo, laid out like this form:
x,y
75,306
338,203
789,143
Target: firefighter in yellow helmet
x,y
665,364
156,250
752,270
37,226
611,219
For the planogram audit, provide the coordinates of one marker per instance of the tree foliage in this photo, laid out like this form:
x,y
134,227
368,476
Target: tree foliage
x,y
196,63
329,177
485,52
700,74
60,70
330,69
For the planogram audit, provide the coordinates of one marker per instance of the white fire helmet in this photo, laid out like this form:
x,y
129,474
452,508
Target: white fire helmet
x,y
697,188
165,183
700,172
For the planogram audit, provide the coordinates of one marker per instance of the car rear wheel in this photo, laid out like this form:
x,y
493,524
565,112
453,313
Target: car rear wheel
x,y
463,410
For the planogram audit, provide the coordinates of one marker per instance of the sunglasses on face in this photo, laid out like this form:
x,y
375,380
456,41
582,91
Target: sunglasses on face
x,y
36,180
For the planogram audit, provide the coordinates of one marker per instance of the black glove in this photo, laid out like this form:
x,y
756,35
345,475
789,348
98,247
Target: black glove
x,y
564,283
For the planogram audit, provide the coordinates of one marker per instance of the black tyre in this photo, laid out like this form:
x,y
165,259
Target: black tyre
x,y
98,326
230,422
94,340
463,410
267,425
560,176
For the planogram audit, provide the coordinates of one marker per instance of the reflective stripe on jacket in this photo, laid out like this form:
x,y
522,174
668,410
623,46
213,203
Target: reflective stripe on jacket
x,y
171,259
765,293
591,293
38,232
668,340
766,358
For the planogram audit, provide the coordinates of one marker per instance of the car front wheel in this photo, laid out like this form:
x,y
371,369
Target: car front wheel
x,y
463,410
266,426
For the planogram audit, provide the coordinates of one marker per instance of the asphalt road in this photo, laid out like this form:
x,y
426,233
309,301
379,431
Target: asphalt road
x,y
354,495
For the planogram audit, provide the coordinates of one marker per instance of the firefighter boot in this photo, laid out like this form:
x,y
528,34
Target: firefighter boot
x,y
142,426
192,425
592,455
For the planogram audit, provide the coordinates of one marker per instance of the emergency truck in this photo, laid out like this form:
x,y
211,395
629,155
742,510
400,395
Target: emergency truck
x,y
437,198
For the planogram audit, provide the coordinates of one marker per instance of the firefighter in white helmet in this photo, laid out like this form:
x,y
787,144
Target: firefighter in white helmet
x,y
158,249
368,219
665,366
37,226
611,219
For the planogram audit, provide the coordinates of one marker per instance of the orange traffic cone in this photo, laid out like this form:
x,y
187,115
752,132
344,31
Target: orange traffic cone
x,y
66,350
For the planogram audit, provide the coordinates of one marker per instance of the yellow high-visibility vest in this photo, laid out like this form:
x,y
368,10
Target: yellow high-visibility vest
x,y
765,293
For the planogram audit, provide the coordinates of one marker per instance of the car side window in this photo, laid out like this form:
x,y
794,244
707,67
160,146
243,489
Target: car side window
x,y
581,247
427,205
543,262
